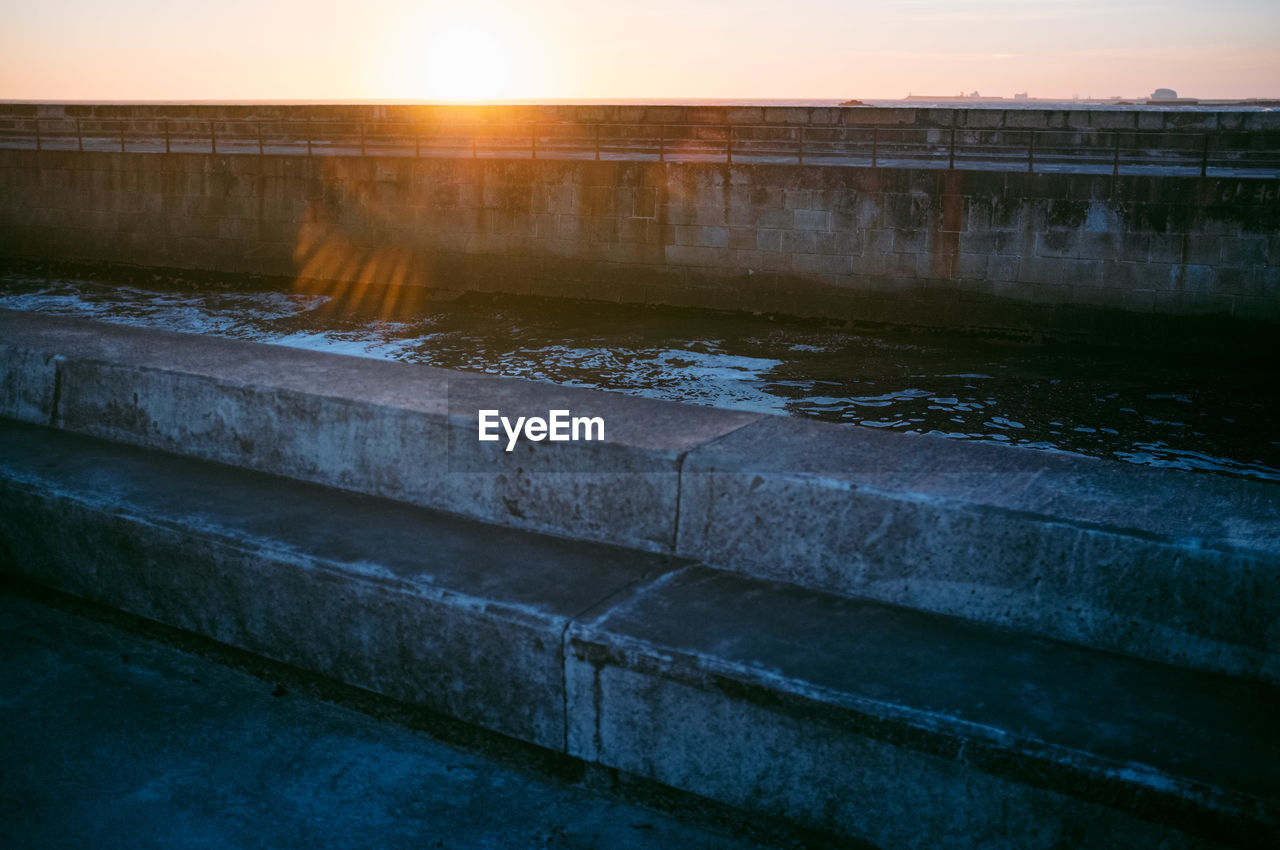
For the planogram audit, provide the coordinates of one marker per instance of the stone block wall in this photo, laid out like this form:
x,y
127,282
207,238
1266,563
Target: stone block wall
x,y
974,118
929,246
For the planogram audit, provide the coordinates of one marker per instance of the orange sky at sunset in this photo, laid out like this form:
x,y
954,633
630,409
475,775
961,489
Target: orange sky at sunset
x,y
561,49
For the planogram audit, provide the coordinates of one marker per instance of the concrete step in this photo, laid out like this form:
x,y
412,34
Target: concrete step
x,y
893,726
1158,564
116,740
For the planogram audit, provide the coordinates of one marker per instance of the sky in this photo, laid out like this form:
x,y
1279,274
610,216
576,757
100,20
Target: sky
x,y
618,49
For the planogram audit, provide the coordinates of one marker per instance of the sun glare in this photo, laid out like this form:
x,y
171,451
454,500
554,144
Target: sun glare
x,y
467,61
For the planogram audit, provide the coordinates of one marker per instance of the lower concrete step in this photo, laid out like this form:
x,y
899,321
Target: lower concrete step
x,y
265,756
893,726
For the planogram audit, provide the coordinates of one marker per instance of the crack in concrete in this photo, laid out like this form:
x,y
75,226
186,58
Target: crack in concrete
x,y
604,603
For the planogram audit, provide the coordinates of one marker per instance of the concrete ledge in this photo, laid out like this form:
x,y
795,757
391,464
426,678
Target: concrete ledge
x,y
461,617
1157,564
387,429
769,696
902,728
982,116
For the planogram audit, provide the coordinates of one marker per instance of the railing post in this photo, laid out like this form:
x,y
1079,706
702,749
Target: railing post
x,y
800,153
662,143
1031,152
166,135
875,145
951,162
37,134
213,137
260,150
729,145
597,126
79,136
1204,157
1115,162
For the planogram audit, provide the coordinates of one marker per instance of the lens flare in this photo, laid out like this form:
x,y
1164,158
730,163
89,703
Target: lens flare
x,y
346,250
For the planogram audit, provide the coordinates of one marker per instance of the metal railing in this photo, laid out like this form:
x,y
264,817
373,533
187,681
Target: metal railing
x,y
1236,153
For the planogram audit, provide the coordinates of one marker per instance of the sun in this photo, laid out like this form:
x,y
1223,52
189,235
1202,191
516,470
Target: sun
x,y
467,61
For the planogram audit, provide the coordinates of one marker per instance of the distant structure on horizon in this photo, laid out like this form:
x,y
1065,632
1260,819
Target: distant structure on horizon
x,y
1169,97
1159,97
975,97
944,97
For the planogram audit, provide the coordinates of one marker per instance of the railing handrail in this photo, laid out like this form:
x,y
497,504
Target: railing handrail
x,y
419,124
525,122
1028,146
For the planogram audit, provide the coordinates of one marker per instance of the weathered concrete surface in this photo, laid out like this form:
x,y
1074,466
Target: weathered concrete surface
x,y
765,695
903,728
463,618
386,429
1155,563
110,740
145,115
1067,254
1159,564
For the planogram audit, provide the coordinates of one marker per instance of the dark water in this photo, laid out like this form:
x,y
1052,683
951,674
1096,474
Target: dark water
x,y
1219,415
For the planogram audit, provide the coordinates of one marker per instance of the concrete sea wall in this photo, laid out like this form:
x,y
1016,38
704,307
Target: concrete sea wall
x,y
873,722
911,642
1040,252
12,115
900,640
1154,563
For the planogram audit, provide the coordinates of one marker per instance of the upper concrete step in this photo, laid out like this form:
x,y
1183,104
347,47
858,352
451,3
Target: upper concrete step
x,y
899,727
1157,564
